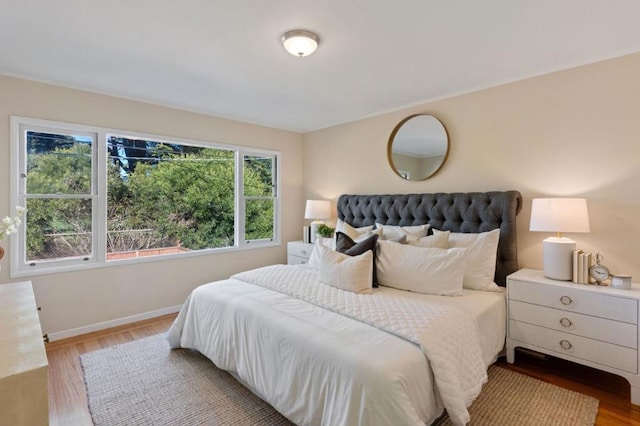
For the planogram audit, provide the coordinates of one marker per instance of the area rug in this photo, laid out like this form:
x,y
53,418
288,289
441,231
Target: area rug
x,y
511,398
145,383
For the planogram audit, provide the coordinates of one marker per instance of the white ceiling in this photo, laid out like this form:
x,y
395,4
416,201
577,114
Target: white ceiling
x,y
225,58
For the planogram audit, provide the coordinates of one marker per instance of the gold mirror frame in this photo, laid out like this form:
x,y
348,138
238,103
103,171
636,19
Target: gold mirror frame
x,y
416,167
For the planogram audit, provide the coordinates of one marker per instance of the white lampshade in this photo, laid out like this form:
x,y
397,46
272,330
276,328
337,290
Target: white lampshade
x,y
300,42
317,209
559,215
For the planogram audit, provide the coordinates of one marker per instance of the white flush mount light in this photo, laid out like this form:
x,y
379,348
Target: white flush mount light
x,y
300,42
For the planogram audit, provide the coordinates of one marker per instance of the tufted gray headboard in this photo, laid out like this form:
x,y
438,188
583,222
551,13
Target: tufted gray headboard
x,y
457,212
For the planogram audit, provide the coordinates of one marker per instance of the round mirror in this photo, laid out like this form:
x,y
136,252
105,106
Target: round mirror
x,y
418,147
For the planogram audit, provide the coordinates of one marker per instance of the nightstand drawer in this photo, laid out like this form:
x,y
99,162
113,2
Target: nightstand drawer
x,y
299,249
297,260
575,300
569,345
616,332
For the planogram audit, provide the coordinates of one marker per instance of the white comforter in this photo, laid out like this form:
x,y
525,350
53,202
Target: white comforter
x,y
265,337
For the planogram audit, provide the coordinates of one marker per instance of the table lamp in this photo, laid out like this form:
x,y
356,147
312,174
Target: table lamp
x,y
559,215
317,209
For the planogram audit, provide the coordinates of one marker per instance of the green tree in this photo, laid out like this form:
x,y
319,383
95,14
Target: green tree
x,y
177,198
61,170
59,227
186,198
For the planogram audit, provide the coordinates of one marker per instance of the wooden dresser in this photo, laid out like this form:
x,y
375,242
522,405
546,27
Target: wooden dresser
x,y
23,360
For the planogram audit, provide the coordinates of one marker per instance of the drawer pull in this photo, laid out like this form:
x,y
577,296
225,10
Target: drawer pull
x,y
303,251
566,300
566,322
565,344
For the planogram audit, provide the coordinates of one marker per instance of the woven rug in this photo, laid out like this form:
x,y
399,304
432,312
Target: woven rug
x,y
511,398
145,383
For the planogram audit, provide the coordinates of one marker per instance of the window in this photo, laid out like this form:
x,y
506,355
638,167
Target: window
x,y
259,196
57,190
96,196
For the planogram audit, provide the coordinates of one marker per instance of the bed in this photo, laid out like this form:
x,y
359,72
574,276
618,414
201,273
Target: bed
x,y
322,355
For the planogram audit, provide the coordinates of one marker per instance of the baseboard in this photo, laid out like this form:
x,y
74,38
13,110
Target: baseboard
x,y
65,334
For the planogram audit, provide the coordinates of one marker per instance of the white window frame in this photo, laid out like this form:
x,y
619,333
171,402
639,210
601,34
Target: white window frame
x,y
243,198
98,259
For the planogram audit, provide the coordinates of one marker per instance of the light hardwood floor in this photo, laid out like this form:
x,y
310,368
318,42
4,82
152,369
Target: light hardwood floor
x,y
68,403
67,398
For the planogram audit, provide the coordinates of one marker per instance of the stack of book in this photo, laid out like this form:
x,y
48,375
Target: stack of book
x,y
306,234
582,261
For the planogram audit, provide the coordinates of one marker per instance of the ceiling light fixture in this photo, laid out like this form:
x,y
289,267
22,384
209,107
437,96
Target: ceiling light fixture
x,y
300,42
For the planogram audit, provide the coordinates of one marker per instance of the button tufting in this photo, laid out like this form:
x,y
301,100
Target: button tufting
x,y
457,212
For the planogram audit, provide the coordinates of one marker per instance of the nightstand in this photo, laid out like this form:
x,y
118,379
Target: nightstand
x,y
298,252
591,325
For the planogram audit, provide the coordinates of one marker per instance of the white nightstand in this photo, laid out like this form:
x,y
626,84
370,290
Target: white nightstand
x,y
591,325
298,252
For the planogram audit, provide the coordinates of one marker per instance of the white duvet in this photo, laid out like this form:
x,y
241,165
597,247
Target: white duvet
x,y
295,343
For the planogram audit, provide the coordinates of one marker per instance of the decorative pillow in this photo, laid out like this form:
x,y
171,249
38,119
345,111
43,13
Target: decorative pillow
x,y
422,270
440,240
314,258
402,239
387,232
350,273
346,245
480,262
356,234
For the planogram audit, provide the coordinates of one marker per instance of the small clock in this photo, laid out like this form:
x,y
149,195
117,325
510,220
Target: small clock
x,y
599,272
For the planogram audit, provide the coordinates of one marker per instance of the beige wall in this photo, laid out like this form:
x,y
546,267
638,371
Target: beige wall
x,y
571,133
78,299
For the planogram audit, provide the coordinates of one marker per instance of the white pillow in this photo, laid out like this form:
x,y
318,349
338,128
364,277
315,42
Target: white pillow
x,y
389,232
419,269
350,273
441,240
356,234
314,258
480,262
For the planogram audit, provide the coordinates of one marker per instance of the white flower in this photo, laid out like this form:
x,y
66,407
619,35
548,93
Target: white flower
x,y
10,225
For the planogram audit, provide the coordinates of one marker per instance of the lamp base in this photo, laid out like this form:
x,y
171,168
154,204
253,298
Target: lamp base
x,y
557,258
314,230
